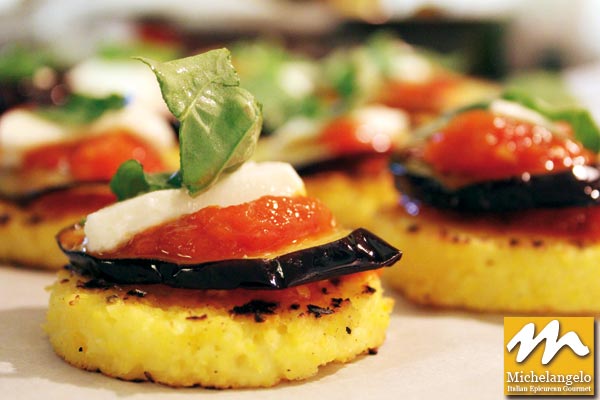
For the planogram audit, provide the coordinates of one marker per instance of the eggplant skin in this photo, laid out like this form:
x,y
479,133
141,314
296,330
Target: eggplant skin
x,y
579,186
359,251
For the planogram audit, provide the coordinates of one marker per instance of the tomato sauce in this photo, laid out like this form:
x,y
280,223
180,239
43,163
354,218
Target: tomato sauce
x,y
419,97
348,136
483,146
252,229
75,201
95,157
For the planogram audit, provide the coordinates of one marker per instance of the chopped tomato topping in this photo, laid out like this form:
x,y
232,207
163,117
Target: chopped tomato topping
x,y
94,158
415,97
346,136
252,229
481,145
72,202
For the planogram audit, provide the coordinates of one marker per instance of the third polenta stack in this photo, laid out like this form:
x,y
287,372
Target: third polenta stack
x,y
223,274
500,210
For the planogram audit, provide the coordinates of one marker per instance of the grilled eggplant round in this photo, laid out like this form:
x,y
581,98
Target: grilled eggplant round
x,y
358,251
578,186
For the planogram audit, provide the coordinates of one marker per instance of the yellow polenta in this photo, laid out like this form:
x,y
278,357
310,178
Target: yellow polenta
x,y
28,228
26,240
353,199
215,338
449,264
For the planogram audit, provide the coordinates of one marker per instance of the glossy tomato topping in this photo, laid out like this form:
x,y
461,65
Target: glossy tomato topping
x,y
419,97
95,157
347,136
72,202
483,146
252,229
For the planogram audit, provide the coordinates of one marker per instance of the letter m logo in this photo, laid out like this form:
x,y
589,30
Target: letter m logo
x,y
526,337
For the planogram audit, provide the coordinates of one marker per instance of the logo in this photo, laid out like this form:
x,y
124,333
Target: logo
x,y
549,356
553,344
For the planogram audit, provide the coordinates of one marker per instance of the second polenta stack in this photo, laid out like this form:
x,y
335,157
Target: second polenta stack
x,y
500,209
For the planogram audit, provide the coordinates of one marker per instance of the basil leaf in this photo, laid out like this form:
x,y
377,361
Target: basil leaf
x,y
19,61
130,180
584,127
549,87
80,109
219,121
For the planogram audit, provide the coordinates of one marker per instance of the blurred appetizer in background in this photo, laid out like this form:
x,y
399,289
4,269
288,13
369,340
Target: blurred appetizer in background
x,y
386,70
343,145
343,159
56,162
500,208
260,282
113,69
285,82
27,74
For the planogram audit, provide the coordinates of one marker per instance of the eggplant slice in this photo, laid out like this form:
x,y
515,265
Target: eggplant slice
x,y
579,186
358,251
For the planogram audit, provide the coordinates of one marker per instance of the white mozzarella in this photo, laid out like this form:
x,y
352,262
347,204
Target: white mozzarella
x,y
140,121
21,129
130,78
411,67
111,226
382,126
518,111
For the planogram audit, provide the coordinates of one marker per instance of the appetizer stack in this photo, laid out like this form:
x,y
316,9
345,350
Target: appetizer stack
x,y
500,210
356,107
223,274
55,164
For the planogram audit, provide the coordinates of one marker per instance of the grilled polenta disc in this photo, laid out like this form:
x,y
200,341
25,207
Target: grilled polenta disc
x,y
27,228
215,338
222,275
462,264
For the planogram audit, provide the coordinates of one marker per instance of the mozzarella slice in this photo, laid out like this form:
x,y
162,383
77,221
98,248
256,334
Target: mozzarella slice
x,y
21,129
518,111
148,125
109,227
129,78
411,67
384,127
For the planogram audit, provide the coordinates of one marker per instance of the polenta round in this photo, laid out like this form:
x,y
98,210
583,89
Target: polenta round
x,y
28,230
450,263
215,338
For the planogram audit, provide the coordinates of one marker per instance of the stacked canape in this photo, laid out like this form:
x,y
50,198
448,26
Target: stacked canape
x,y
367,100
500,210
224,274
343,159
56,162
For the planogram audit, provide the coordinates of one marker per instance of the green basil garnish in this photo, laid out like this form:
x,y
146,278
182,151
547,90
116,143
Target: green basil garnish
x,y
584,127
219,124
80,109
130,180
219,121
